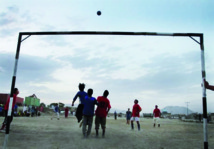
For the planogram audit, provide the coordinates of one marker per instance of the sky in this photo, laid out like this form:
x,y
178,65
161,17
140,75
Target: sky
x,y
156,70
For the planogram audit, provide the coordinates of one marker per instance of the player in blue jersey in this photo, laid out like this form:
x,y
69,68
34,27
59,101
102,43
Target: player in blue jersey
x,y
81,94
88,112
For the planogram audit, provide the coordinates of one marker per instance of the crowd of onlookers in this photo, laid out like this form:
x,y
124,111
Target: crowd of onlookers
x,y
23,110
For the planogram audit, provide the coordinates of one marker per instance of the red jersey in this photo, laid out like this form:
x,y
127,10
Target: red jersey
x,y
103,107
156,112
136,110
8,100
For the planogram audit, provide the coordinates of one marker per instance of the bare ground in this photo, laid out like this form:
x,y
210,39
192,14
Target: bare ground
x,y
43,133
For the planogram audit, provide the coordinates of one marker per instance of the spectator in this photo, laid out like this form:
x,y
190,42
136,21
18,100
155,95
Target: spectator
x,y
6,108
41,109
25,109
207,86
33,111
115,115
56,112
66,112
128,116
1,110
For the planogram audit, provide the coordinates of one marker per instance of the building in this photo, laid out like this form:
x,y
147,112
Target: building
x,y
4,97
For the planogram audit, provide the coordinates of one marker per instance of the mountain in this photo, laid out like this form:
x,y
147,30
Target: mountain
x,y
112,110
176,110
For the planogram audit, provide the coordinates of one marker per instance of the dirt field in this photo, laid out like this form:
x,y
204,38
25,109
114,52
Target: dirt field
x,y
43,133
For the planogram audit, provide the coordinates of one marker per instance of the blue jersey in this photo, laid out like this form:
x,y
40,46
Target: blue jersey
x,y
81,95
89,104
56,109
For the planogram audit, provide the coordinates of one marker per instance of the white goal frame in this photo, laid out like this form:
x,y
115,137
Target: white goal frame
x,y
191,35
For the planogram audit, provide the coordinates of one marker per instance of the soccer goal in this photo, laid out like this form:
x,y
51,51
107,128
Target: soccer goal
x,y
197,37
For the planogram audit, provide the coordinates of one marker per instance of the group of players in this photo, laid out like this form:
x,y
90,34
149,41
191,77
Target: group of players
x,y
85,110
86,107
135,115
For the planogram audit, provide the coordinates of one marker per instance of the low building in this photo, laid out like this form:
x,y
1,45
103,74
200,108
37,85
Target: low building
x,y
4,97
32,101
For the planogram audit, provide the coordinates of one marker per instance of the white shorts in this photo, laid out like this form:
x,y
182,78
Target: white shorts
x,y
135,118
156,120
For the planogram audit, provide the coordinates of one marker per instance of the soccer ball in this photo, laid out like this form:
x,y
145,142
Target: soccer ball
x,y
98,13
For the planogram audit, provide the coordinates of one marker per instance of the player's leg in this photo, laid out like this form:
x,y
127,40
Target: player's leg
x,y
154,121
90,121
138,122
97,123
84,121
158,121
4,122
57,115
132,124
128,120
103,125
52,115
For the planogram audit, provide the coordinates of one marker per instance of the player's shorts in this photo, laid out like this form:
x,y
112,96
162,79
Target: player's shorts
x,y
135,119
100,121
156,120
128,117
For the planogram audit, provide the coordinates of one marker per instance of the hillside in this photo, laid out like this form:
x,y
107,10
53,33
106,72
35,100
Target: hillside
x,y
177,110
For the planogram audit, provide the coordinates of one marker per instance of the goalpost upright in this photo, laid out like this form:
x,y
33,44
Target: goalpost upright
x,y
191,35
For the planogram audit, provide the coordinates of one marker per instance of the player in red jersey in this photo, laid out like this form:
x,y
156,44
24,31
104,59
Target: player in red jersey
x,y
101,112
6,107
156,116
135,114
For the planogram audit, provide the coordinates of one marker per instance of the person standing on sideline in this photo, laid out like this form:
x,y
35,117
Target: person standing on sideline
x,y
115,115
102,112
25,108
6,108
128,116
135,114
156,116
56,111
81,94
1,110
66,112
88,112
207,86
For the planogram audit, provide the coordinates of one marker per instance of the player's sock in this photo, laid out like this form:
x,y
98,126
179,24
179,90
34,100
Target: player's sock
x,y
97,133
138,125
158,125
103,135
154,125
132,125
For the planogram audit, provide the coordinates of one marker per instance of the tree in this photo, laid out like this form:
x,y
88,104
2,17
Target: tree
x,y
42,104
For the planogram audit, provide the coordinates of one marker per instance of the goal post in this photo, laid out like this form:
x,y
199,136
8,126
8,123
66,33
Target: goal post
x,y
191,35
